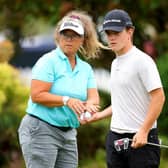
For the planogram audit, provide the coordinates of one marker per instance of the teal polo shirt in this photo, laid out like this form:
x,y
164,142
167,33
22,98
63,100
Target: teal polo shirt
x,y
54,67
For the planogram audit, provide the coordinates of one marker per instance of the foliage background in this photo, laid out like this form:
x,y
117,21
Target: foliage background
x,y
13,98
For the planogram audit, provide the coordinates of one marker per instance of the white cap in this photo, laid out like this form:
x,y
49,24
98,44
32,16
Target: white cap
x,y
72,24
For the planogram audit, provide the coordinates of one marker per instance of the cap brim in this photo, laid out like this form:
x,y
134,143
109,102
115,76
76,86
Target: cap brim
x,y
113,28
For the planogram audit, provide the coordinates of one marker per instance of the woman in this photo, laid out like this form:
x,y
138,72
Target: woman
x,y
62,87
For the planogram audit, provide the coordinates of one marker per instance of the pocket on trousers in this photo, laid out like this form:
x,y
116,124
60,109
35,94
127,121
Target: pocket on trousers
x,y
34,125
28,126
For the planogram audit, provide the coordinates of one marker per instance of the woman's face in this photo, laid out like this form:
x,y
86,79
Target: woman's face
x,y
70,42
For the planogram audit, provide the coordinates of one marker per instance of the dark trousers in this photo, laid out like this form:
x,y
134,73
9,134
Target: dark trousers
x,y
147,156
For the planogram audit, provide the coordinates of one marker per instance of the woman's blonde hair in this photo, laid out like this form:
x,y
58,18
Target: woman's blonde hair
x,y
91,45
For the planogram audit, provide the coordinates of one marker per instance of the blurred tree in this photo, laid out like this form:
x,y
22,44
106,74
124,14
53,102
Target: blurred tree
x,y
23,17
6,50
163,70
13,100
16,16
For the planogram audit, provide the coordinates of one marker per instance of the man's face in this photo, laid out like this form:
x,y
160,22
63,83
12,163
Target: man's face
x,y
119,41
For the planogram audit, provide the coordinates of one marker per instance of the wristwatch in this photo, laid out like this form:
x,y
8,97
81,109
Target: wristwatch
x,y
65,100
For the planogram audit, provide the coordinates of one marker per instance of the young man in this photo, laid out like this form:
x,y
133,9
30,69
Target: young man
x,y
137,98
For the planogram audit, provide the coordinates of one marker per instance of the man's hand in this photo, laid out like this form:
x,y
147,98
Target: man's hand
x,y
139,139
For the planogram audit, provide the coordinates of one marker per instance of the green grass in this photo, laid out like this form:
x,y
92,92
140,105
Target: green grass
x,y
164,163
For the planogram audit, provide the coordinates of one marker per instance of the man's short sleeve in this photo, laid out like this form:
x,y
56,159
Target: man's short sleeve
x,y
149,75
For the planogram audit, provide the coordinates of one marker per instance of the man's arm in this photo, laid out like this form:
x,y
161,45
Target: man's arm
x,y
101,115
155,107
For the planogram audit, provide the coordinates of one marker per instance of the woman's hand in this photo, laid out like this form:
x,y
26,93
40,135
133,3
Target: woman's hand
x,y
76,105
92,108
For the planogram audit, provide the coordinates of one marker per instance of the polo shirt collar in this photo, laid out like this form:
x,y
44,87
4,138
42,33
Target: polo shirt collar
x,y
60,53
64,57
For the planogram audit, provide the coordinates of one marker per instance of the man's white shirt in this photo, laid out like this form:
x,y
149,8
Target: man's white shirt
x,y
133,76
